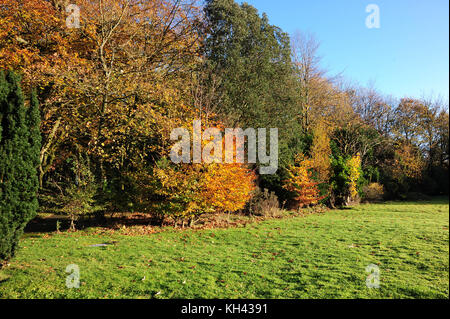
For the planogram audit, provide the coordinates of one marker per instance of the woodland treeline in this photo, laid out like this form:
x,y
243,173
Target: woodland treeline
x,y
111,91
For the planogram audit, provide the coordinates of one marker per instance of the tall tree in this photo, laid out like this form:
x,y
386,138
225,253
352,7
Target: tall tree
x,y
309,74
257,85
254,60
19,158
321,152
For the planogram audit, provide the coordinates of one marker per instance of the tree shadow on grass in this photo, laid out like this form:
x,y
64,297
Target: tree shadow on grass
x,y
52,223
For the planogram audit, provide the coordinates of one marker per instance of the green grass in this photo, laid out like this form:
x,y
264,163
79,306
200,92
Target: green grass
x,y
318,256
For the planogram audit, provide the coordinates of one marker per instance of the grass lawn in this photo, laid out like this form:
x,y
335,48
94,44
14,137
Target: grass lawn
x,y
318,256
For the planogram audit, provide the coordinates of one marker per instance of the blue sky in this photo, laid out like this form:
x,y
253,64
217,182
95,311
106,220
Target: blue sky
x,y
407,56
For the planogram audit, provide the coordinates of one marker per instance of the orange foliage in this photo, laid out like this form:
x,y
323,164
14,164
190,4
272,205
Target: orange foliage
x,y
108,84
300,182
227,187
190,190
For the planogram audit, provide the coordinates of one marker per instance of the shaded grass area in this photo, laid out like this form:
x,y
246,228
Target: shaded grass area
x,y
319,256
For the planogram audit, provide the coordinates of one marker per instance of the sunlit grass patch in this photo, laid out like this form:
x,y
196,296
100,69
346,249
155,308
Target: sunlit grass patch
x,y
317,256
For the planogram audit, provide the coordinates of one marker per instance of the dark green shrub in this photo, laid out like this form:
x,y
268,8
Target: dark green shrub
x,y
19,158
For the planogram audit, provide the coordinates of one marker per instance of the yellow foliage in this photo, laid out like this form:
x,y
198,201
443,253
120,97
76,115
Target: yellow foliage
x,y
407,162
373,191
188,190
354,165
227,187
321,152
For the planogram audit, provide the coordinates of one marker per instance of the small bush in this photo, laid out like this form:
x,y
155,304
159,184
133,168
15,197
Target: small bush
x,y
185,192
263,203
373,192
76,197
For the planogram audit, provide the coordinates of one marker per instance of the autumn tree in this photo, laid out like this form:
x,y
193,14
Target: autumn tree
x,y
186,191
421,125
406,125
301,183
321,152
442,145
321,97
41,48
431,117
141,52
373,108
354,173
403,171
308,72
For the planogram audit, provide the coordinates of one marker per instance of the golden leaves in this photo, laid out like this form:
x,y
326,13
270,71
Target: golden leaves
x,y
301,183
354,165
